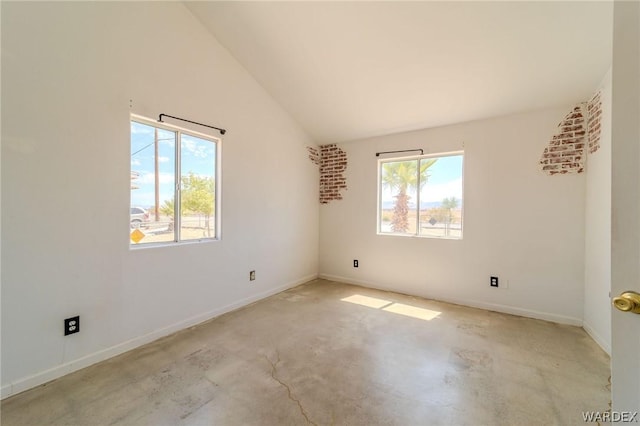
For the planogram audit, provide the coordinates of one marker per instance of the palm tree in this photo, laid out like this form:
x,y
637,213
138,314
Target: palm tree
x,y
400,177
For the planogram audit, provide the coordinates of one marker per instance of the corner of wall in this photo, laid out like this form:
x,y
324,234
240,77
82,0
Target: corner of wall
x,y
597,211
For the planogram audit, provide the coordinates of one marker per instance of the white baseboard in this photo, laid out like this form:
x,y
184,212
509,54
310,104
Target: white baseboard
x,y
40,378
605,345
528,313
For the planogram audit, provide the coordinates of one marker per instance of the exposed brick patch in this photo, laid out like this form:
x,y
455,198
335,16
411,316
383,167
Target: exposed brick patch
x,y
594,109
333,162
566,150
578,133
314,155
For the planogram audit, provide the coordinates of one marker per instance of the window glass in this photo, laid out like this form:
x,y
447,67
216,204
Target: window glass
x,y
441,198
421,196
198,160
161,210
399,188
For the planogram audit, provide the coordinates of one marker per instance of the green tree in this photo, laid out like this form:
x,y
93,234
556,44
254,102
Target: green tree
x,y
197,196
168,209
449,204
400,177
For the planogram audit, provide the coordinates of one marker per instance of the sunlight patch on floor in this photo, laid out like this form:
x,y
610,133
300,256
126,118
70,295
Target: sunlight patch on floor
x,y
389,306
371,302
412,311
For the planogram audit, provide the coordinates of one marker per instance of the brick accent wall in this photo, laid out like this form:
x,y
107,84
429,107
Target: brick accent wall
x,y
565,152
314,155
577,133
594,108
332,162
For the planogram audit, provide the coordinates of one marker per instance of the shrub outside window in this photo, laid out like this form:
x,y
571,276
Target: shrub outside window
x,y
174,184
421,196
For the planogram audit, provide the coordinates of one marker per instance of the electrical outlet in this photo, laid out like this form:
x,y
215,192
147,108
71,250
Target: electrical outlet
x,y
355,263
71,325
493,282
252,275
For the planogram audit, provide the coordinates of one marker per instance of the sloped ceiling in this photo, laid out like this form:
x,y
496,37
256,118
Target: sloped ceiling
x,y
351,70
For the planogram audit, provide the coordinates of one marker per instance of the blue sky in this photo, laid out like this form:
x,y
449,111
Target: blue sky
x,y
445,169
198,156
445,181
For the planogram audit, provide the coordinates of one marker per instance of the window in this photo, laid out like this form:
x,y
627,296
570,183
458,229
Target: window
x,y
421,196
174,184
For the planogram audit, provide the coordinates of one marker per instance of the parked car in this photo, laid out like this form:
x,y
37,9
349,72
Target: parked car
x,y
139,217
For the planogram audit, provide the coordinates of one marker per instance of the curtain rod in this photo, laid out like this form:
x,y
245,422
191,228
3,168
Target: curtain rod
x,y
222,131
403,150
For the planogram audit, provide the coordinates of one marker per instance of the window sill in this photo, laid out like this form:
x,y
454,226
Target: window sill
x,y
135,247
422,237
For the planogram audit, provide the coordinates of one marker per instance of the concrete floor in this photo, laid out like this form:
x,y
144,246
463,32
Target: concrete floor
x,y
327,353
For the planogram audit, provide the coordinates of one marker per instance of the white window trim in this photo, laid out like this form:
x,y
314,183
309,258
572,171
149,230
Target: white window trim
x,y
379,201
218,182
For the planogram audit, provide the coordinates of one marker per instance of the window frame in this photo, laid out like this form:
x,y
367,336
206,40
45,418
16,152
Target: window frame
x,y
417,158
217,220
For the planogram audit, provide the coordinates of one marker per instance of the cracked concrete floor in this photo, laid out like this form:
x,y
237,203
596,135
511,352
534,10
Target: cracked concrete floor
x,y
328,353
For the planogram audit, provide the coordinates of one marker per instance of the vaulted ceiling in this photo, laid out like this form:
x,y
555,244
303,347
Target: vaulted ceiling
x,y
351,70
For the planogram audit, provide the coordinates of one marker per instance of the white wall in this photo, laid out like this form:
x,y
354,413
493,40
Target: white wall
x,y
520,224
69,74
597,273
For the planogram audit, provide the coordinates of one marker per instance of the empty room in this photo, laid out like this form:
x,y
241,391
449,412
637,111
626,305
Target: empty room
x,y
320,213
